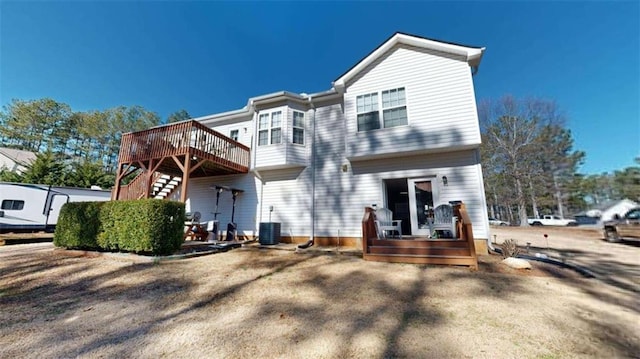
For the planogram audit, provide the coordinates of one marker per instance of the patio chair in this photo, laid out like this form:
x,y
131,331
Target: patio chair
x,y
444,222
194,229
384,222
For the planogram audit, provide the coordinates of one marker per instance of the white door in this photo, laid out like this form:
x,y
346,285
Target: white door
x,y
422,193
57,201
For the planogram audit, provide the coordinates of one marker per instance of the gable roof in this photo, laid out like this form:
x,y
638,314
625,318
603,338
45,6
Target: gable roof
x,y
472,54
18,156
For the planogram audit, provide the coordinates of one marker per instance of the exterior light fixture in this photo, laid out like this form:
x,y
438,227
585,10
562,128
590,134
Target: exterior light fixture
x,y
445,180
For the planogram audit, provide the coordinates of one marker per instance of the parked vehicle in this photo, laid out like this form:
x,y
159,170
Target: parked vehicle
x,y
497,222
33,207
625,227
549,220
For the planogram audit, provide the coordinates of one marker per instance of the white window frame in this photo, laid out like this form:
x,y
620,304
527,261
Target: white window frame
x,y
364,107
274,127
237,131
299,127
263,129
269,128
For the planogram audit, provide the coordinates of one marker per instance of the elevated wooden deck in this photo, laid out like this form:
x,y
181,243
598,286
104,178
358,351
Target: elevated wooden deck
x,y
185,149
459,251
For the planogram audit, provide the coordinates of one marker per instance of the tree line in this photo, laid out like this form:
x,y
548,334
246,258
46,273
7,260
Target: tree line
x,y
73,148
530,167
529,164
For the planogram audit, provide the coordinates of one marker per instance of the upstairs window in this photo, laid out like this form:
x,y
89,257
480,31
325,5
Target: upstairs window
x,y
233,134
276,127
298,127
368,115
394,108
12,204
270,128
373,115
263,130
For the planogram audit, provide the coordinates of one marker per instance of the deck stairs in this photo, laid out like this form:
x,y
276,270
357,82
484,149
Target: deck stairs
x,y
164,186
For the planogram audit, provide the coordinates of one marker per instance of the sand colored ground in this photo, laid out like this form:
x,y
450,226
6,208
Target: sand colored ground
x,y
257,303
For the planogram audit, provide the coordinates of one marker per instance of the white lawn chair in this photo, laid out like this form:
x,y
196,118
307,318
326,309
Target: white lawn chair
x,y
444,223
385,222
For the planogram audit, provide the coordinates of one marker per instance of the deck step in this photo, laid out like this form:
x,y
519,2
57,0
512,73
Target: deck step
x,y
418,250
423,259
425,243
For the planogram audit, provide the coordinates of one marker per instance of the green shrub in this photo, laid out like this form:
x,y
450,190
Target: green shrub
x,y
142,226
148,225
78,225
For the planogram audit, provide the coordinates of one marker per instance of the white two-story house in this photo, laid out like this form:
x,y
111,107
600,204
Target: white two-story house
x,y
398,130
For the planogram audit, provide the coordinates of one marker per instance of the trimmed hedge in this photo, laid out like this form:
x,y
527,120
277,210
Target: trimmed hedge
x,y
142,226
78,225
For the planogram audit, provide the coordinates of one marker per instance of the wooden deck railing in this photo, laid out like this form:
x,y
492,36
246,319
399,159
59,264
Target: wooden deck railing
x,y
136,188
465,229
421,250
368,228
184,138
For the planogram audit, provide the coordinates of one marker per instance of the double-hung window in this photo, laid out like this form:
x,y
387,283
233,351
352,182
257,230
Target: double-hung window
x,y
391,112
276,127
263,129
368,113
394,108
298,127
270,128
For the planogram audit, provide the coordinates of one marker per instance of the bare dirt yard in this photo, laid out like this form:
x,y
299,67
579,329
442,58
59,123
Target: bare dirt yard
x,y
266,303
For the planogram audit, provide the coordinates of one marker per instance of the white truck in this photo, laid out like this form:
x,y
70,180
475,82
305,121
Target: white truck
x,y
549,220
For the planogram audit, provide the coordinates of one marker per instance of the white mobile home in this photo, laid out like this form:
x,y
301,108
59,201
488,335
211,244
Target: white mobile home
x,y
398,130
32,207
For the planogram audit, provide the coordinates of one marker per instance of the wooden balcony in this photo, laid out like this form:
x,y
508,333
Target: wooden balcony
x,y
186,149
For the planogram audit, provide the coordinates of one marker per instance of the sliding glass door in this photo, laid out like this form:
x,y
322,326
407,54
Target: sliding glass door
x,y
422,193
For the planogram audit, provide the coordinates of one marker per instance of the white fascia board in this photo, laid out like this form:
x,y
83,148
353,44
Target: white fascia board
x,y
471,54
277,96
251,105
223,116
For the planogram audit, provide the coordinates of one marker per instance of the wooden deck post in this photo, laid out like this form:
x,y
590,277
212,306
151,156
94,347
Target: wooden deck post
x,y
368,228
116,189
185,178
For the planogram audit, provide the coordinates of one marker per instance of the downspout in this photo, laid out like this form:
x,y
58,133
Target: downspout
x,y
311,240
484,210
254,147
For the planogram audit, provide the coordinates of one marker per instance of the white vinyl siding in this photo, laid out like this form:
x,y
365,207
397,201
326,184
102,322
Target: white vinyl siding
x,y
441,139
460,168
439,100
202,198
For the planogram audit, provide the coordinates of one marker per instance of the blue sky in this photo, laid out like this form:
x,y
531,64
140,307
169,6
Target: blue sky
x,y
209,57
